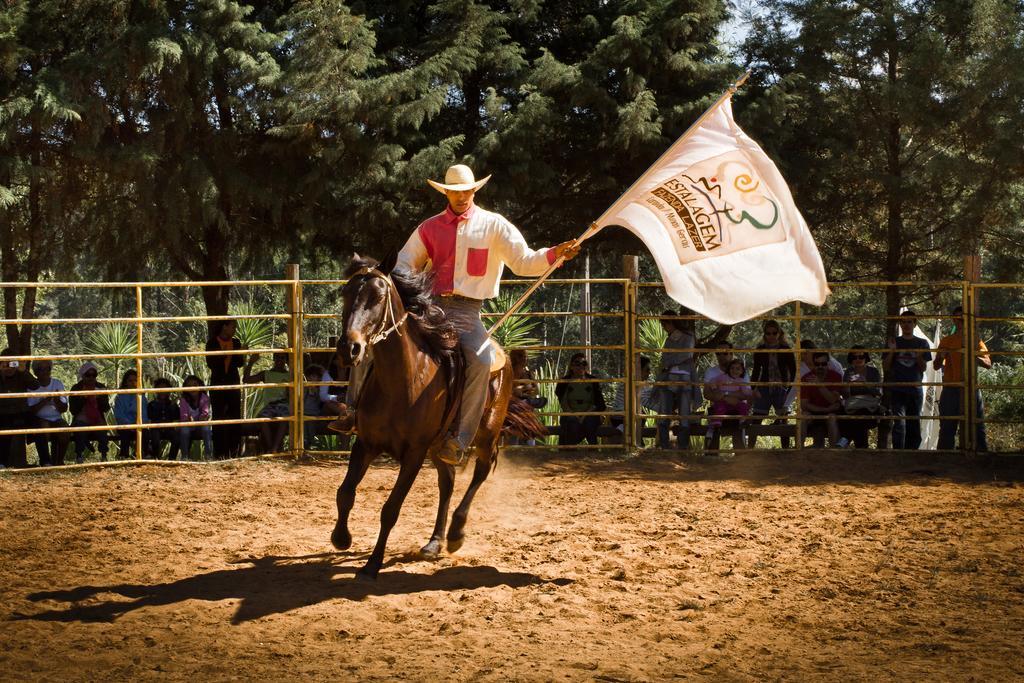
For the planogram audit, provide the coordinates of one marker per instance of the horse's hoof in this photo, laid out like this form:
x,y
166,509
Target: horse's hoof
x,y
367,573
431,551
341,539
455,543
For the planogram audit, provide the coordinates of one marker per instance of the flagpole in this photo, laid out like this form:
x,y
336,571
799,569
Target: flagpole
x,y
594,227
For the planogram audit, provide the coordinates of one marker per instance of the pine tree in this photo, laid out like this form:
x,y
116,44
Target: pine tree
x,y
893,122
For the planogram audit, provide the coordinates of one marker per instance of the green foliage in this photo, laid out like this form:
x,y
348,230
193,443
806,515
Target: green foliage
x,y
516,330
111,338
651,335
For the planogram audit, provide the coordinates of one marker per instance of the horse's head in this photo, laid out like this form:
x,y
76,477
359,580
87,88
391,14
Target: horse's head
x,y
370,304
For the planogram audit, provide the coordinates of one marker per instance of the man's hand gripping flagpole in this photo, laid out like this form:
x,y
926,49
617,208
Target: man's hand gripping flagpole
x,y
574,246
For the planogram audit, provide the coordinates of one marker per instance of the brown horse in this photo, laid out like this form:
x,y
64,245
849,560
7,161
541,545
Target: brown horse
x,y
410,398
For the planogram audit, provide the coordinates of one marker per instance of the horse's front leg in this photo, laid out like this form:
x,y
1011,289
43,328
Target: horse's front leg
x,y
445,485
411,465
358,462
456,532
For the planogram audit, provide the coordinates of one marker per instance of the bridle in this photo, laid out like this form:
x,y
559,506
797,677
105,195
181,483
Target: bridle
x,y
388,323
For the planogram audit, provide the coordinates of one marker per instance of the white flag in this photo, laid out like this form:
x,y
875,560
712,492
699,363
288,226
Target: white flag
x,y
721,224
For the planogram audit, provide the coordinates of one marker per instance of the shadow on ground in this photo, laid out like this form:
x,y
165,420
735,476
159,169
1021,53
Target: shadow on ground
x,y
273,585
779,467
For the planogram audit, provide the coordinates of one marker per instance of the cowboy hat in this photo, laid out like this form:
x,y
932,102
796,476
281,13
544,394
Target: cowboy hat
x,y
459,178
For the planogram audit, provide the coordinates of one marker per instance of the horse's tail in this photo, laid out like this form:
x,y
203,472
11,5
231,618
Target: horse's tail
x,y
521,420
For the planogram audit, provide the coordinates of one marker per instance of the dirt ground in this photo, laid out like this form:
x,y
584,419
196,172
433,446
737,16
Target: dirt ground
x,y
767,566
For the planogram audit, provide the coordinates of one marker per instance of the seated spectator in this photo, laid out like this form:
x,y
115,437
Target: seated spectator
x,y
808,347
579,397
861,396
194,407
949,359
821,401
48,412
124,414
524,389
733,393
771,365
13,411
646,399
313,403
278,402
676,366
723,357
89,410
163,408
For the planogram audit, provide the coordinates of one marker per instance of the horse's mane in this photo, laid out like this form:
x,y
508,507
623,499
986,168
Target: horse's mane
x,y
415,291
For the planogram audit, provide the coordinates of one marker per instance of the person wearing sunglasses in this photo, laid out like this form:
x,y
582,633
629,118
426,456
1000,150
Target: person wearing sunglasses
x,y
862,395
821,401
89,410
579,396
774,363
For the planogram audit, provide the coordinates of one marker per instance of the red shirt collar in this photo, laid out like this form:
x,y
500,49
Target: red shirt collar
x,y
452,218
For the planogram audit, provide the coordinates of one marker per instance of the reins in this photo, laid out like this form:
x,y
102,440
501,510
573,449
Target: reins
x,y
384,330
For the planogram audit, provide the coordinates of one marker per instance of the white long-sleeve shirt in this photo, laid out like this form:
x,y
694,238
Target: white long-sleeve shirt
x,y
468,252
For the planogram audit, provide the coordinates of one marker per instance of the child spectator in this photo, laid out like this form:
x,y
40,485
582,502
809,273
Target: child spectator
x,y
194,407
124,414
164,409
278,403
48,412
89,410
646,399
733,393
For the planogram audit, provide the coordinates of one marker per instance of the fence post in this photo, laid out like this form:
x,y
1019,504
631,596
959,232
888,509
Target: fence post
x,y
799,440
138,374
295,342
969,363
631,272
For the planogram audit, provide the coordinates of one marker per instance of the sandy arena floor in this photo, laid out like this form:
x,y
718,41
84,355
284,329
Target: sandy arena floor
x,y
776,566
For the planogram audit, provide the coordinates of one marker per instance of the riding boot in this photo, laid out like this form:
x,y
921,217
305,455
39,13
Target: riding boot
x,y
346,421
451,452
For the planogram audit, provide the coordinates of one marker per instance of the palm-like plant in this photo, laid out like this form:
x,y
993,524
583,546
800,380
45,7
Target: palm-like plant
x,y
652,336
516,331
113,338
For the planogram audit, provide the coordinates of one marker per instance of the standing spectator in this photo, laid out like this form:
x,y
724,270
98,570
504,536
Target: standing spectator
x,y
164,409
312,405
646,399
89,410
949,359
48,412
194,407
225,403
278,403
906,362
772,365
579,397
862,395
124,414
13,411
677,367
821,399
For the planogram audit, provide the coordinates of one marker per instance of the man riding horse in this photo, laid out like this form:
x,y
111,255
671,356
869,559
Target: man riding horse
x,y
466,248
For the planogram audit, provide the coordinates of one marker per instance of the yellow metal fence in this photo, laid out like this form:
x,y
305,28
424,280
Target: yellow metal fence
x,y
615,343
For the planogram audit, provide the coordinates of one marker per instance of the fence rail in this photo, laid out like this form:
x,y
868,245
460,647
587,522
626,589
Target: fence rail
x,y
629,423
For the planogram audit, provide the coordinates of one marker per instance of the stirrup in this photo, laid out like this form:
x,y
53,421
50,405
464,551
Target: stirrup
x,y
345,423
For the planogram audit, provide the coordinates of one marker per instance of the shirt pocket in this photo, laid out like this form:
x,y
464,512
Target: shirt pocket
x,y
476,262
